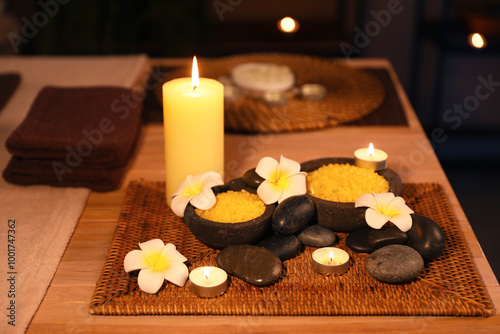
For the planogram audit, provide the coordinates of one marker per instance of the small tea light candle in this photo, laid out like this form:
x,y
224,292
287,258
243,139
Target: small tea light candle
x,y
313,92
370,158
330,261
208,281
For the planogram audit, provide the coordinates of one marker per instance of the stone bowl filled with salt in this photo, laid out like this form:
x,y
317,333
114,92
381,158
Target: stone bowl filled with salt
x,y
334,184
238,217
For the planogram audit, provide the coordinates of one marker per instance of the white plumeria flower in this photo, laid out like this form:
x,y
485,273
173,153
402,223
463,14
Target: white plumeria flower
x,y
282,180
196,190
384,207
157,262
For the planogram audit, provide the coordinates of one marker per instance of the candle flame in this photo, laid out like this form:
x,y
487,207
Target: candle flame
x,y
195,77
330,256
371,150
477,40
206,273
288,25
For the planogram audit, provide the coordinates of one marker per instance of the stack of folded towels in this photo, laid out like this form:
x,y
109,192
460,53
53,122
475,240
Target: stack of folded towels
x,y
76,137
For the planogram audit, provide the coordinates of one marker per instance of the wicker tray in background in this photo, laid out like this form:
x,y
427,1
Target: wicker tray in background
x,y
352,94
448,286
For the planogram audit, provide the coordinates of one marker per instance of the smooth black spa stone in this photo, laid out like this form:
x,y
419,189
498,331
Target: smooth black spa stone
x,y
394,264
292,215
317,236
220,235
238,184
284,246
254,265
387,235
252,179
344,217
426,237
358,240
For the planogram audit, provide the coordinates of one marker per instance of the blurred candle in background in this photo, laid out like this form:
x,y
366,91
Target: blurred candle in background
x,y
477,40
288,25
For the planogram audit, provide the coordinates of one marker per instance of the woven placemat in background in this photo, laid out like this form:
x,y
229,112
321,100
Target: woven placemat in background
x,y
352,94
448,286
389,113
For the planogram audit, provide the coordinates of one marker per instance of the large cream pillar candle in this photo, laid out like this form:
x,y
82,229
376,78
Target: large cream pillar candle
x,y
193,118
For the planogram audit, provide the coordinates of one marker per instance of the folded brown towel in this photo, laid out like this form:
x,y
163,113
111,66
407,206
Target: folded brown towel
x,y
50,172
8,85
97,178
95,124
75,137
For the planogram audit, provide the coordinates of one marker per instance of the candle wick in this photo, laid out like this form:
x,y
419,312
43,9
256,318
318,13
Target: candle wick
x,y
194,88
206,276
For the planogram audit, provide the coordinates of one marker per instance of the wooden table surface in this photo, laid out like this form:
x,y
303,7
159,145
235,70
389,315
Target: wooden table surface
x,y
65,306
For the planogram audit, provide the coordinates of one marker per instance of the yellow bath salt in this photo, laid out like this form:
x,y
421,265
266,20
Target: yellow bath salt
x,y
234,207
344,182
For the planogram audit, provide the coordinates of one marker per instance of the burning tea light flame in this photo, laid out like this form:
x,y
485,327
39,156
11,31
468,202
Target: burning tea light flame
x,y
330,256
195,77
371,150
476,40
206,273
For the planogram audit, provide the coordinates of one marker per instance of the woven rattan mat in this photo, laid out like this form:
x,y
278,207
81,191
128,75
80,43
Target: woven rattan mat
x,y
352,94
390,112
448,286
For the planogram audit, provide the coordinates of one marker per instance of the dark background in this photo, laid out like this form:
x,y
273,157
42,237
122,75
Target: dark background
x,y
426,41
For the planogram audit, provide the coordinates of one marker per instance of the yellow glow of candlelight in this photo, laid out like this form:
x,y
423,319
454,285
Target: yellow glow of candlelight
x,y
371,150
195,76
330,256
206,273
477,40
288,25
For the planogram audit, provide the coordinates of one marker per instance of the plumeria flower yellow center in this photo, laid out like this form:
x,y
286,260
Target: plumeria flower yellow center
x,y
196,190
282,180
157,262
385,207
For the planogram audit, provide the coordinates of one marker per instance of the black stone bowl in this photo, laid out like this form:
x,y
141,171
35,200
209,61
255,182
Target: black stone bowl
x,y
344,217
220,235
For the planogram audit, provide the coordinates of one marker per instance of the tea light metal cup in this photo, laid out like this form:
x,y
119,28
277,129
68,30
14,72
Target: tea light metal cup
x,y
208,282
330,261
